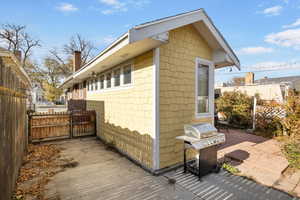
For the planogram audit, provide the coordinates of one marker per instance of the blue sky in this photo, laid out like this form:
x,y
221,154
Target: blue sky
x,y
265,34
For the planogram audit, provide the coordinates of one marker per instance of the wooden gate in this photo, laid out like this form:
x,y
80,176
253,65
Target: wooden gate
x,y
52,126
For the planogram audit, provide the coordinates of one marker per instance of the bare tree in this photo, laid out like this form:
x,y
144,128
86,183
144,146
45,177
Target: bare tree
x,y
78,43
65,63
64,57
16,38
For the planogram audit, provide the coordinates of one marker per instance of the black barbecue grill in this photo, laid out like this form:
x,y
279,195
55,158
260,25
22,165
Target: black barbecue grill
x,y
203,138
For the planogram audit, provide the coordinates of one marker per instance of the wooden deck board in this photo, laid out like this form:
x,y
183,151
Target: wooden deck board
x,y
103,174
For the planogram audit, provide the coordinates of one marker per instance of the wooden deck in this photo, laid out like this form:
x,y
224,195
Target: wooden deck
x,y
104,174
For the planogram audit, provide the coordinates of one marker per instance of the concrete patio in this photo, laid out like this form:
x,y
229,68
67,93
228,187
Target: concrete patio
x,y
260,159
104,174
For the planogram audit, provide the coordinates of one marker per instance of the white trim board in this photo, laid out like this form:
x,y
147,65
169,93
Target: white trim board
x,y
211,70
153,34
155,109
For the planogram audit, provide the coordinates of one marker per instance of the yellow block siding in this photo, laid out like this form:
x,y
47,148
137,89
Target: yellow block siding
x,y
125,115
177,89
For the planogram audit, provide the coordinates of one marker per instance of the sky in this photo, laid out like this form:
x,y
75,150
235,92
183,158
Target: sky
x,y
265,34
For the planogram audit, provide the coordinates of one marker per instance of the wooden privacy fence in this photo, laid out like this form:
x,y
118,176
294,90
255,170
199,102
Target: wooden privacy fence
x,y
13,130
52,126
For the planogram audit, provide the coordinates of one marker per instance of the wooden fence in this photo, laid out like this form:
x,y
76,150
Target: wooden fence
x,y
13,130
52,126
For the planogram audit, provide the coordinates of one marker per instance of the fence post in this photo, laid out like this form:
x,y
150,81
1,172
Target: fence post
x,y
71,124
29,127
254,112
95,122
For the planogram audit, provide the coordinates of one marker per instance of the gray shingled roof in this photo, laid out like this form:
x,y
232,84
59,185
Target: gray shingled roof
x,y
277,80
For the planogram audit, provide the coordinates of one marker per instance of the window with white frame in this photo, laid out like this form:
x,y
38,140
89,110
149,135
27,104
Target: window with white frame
x,y
204,75
127,74
108,80
117,77
101,82
96,83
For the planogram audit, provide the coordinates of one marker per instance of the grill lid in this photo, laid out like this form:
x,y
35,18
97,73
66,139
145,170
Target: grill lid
x,y
202,130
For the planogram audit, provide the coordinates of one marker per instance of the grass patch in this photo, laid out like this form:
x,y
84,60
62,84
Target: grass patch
x,y
292,152
230,168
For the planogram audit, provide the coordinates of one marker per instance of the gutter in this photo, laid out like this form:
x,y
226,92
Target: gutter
x,y
84,67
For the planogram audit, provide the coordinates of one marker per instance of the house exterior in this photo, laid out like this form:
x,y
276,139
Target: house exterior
x,y
292,81
150,82
37,95
269,89
267,92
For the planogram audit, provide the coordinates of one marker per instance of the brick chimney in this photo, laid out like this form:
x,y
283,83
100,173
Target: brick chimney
x,y
18,55
249,78
76,60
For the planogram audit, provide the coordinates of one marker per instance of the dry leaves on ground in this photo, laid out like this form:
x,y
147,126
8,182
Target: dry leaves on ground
x,y
40,164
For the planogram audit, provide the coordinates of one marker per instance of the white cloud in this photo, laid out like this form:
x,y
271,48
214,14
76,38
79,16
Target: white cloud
x,y
272,11
266,65
272,65
255,50
287,38
139,3
67,7
295,24
108,39
115,6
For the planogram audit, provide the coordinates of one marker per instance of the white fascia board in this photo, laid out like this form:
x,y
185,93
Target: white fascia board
x,y
220,39
161,26
117,45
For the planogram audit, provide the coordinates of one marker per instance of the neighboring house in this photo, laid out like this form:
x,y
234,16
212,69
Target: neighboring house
x,y
292,81
150,82
267,89
37,95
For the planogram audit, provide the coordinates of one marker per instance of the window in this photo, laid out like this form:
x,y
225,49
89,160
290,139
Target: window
x,y
203,87
102,82
96,84
88,85
108,80
92,85
127,74
117,73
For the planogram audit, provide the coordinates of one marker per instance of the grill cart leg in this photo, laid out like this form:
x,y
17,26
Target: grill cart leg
x,y
184,159
199,171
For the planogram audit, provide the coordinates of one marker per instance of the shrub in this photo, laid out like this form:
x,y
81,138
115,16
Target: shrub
x,y
292,152
237,107
291,123
268,124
